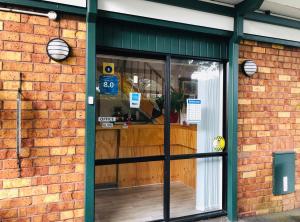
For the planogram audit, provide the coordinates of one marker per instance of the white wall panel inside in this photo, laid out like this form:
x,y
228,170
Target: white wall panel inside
x,y
273,31
168,13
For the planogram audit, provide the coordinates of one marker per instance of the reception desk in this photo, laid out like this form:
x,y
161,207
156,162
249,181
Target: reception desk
x,y
140,140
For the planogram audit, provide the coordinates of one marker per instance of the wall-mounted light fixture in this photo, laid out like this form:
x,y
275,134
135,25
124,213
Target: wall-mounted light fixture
x,y
58,49
249,67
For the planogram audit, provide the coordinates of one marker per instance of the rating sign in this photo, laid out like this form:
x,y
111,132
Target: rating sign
x,y
109,85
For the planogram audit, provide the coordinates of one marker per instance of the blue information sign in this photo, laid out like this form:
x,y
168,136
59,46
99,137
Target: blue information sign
x,y
109,85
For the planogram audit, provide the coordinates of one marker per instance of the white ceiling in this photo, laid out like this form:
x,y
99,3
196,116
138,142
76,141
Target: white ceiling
x,y
287,8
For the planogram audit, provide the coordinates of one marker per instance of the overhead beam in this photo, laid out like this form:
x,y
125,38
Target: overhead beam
x,y
273,20
47,6
248,6
200,6
166,24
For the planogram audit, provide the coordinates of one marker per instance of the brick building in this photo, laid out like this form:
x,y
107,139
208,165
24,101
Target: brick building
x,y
89,153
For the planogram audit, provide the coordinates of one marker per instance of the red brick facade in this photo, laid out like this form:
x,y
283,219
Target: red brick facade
x,y
268,120
53,113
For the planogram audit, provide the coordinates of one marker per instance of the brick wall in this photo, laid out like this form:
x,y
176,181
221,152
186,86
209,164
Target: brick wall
x,y
268,120
53,112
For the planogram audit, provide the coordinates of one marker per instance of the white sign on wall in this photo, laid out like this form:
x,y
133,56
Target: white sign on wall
x,y
102,119
193,110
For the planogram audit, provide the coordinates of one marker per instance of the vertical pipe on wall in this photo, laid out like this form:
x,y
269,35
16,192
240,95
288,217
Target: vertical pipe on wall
x,y
232,111
90,117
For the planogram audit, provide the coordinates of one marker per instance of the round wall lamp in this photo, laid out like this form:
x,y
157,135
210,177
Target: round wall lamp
x,y
58,49
52,15
249,67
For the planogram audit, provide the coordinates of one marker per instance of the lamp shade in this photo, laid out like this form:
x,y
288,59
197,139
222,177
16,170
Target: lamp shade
x,y
58,49
249,67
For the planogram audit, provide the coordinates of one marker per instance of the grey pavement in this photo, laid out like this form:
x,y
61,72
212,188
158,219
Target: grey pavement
x,y
288,216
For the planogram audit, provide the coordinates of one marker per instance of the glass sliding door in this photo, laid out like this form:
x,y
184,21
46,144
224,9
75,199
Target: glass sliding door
x,y
129,171
159,138
195,81
196,121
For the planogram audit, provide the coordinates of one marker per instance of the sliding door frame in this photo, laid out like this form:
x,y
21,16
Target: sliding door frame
x,y
167,157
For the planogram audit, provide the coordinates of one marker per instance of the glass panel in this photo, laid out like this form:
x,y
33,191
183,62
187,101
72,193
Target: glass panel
x,y
196,106
129,107
129,192
196,186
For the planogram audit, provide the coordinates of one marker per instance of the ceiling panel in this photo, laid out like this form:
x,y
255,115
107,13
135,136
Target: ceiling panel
x,y
284,8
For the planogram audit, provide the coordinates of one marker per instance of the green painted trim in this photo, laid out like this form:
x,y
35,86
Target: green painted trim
x,y
273,20
232,114
239,28
247,6
90,117
271,40
200,6
232,131
162,23
46,6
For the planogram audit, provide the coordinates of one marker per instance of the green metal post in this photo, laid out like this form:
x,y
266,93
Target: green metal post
x,y
241,9
90,117
232,111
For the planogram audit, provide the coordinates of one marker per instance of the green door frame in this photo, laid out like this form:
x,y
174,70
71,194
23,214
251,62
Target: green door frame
x,y
232,112
90,126
232,101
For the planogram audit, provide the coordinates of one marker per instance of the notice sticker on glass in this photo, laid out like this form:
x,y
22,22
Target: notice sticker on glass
x,y
109,85
108,68
193,110
135,99
107,125
106,119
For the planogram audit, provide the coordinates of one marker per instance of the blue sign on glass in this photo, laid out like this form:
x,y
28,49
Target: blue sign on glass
x,y
109,85
135,97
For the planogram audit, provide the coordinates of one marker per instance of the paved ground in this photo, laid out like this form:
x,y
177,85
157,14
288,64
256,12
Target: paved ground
x,y
289,216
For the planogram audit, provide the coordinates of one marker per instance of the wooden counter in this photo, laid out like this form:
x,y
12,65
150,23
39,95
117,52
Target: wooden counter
x,y
144,140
